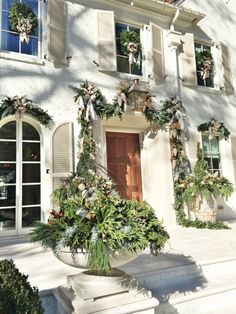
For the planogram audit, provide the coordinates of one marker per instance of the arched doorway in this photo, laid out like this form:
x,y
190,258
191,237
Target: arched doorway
x,y
20,177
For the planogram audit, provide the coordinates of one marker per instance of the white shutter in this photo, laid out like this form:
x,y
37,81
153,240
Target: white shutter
x,y
233,148
188,60
57,31
106,41
157,53
62,153
227,75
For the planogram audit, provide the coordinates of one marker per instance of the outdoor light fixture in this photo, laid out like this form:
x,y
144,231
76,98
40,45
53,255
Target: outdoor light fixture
x,y
138,96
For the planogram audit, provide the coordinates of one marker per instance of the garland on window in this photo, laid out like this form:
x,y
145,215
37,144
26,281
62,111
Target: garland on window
x,y
205,63
22,20
19,105
215,128
130,44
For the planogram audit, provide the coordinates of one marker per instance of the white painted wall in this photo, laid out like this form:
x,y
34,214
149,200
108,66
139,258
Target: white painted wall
x,y
47,85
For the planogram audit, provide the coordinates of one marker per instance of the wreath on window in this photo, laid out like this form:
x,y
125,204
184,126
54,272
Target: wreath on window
x,y
22,20
130,44
19,105
215,128
205,63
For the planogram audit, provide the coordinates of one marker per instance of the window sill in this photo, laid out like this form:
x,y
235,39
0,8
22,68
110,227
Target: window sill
x,y
21,58
209,90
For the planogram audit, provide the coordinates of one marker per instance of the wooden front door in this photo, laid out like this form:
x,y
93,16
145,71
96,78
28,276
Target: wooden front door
x,y
123,163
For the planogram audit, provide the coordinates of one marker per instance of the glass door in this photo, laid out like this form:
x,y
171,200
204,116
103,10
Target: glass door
x,y
19,177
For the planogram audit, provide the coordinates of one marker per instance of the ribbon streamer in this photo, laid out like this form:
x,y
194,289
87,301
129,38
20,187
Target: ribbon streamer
x,y
90,112
122,100
132,49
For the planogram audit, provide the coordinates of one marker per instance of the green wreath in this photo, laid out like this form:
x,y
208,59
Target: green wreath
x,y
9,107
202,56
18,11
129,36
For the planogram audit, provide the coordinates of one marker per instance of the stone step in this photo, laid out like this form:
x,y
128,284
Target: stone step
x,y
123,303
64,297
197,289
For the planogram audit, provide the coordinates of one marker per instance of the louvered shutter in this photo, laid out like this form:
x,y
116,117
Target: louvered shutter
x,y
106,41
194,139
188,60
62,153
57,31
233,148
227,76
157,53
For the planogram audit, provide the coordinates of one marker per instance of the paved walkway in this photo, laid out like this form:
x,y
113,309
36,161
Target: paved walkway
x,y
186,245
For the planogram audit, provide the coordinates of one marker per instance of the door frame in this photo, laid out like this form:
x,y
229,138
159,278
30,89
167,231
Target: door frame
x,y
18,215
123,130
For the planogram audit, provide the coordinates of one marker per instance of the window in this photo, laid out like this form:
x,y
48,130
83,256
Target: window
x,y
211,152
20,176
123,64
9,40
205,70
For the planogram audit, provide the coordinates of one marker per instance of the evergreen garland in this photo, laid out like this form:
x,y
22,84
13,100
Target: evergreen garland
x,y
215,128
20,105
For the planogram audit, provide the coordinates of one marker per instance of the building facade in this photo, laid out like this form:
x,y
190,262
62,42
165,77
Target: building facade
x,y
77,41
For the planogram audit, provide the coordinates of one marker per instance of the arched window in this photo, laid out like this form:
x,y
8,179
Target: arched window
x,y
20,176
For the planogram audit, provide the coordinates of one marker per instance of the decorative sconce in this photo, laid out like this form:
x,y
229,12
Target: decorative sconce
x,y
139,97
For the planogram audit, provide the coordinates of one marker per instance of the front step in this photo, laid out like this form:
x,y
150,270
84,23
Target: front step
x,y
197,289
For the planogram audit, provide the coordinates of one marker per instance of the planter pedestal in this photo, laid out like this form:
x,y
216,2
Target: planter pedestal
x,y
120,293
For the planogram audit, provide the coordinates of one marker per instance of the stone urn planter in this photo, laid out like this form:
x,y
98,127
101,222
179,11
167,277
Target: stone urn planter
x,y
203,210
80,259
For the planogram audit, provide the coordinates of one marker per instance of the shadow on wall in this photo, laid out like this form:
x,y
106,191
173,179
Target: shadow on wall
x,y
166,276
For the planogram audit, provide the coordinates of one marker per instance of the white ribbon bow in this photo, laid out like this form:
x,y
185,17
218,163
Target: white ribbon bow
x,y
24,27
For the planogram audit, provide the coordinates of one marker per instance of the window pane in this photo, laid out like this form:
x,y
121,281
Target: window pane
x,y
31,194
136,68
205,143
216,163
8,131
5,23
31,48
29,132
214,146
7,173
7,219
31,173
31,151
33,4
10,42
122,64
7,151
30,215
6,4
7,195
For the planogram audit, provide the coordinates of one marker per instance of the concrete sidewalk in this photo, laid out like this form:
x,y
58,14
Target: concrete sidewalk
x,y
195,263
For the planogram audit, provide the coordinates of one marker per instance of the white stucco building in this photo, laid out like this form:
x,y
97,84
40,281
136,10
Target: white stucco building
x,y
79,40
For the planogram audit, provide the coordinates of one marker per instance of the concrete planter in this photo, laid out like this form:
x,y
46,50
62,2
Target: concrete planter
x,y
203,210
80,259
